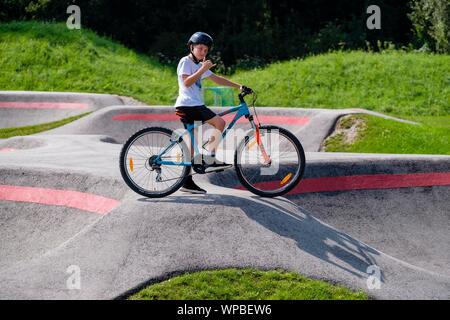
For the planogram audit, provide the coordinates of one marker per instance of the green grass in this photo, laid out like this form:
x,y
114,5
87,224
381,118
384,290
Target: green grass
x,y
24,131
49,57
392,82
380,135
245,284
439,122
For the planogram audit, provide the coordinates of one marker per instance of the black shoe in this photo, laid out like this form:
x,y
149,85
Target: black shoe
x,y
207,163
212,164
191,187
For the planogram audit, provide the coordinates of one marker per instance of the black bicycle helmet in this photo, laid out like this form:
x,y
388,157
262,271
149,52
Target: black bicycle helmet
x,y
200,38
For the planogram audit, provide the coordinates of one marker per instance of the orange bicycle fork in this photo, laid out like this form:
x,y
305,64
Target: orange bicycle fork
x,y
267,160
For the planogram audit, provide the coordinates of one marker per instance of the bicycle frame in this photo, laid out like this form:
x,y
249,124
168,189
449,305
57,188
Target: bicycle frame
x,y
241,110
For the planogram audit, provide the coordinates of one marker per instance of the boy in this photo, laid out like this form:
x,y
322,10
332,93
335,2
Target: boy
x,y
190,106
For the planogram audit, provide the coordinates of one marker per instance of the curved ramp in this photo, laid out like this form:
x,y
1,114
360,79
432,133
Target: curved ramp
x,y
40,211
24,108
143,240
146,240
311,126
410,224
20,143
63,203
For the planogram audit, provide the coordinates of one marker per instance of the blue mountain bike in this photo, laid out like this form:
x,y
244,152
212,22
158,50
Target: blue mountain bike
x,y
269,160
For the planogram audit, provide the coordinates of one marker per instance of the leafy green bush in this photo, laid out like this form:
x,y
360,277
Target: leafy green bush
x,y
431,20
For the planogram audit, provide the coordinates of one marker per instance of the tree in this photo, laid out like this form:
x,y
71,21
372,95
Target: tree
x,y
431,21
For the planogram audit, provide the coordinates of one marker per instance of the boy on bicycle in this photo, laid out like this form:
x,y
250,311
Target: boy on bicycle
x,y
191,70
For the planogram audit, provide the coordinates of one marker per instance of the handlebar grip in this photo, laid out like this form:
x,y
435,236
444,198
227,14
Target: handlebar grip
x,y
246,90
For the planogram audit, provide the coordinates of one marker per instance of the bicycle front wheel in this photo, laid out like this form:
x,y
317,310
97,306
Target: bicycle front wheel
x,y
269,164
138,168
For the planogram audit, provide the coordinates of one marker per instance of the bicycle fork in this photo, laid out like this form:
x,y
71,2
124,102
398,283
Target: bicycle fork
x,y
267,160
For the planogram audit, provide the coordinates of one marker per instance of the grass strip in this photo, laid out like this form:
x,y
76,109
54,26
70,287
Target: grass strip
x,y
245,284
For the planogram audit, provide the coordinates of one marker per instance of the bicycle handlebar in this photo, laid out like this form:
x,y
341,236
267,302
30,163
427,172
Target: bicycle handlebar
x,y
245,91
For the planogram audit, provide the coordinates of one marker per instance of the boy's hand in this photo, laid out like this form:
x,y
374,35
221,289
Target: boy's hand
x,y
207,64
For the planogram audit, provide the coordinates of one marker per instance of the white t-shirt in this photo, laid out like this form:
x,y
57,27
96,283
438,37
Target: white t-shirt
x,y
189,96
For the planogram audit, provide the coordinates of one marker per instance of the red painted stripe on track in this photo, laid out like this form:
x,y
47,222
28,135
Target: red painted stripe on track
x,y
43,105
7,150
363,182
166,117
146,117
67,198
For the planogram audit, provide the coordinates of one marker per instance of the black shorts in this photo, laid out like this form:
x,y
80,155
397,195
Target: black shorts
x,y
198,113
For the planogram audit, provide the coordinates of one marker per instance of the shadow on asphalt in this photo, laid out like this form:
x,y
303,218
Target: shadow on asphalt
x,y
287,219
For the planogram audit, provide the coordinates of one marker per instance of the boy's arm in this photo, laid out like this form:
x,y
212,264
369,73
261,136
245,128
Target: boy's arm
x,y
224,82
189,80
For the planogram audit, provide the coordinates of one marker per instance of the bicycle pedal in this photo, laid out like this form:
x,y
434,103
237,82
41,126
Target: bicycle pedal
x,y
211,170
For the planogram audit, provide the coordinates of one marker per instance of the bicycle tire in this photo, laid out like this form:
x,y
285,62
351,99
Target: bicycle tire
x,y
292,183
124,171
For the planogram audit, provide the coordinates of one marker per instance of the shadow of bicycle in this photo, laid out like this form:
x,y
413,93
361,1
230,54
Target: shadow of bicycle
x,y
289,220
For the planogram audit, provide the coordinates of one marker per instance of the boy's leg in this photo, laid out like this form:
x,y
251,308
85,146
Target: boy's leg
x,y
186,119
189,185
202,113
190,142
219,124
214,164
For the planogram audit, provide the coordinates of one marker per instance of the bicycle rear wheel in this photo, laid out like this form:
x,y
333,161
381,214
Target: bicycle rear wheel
x,y
138,168
272,164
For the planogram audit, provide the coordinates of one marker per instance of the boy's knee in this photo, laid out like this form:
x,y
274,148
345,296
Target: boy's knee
x,y
220,124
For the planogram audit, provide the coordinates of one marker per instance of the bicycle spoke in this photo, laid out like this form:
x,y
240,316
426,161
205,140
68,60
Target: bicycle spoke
x,y
138,151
